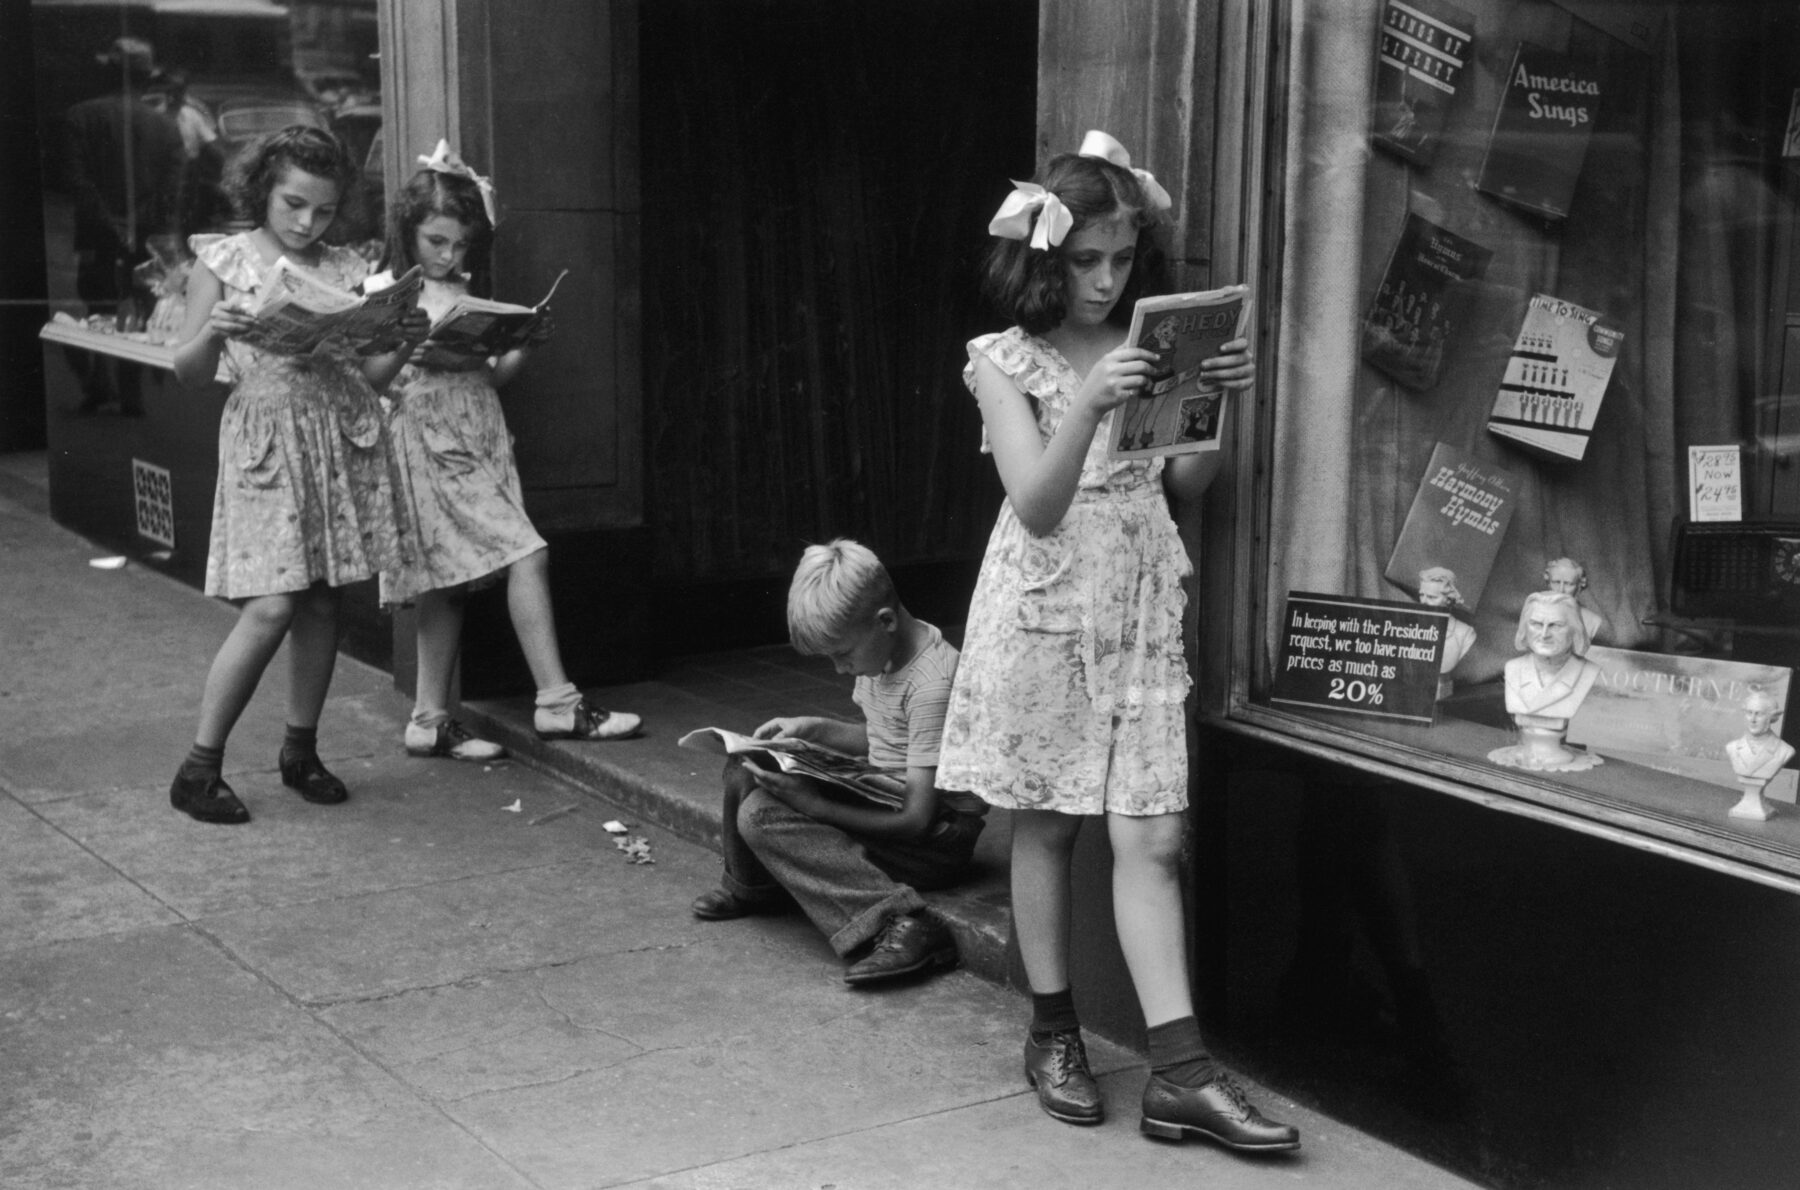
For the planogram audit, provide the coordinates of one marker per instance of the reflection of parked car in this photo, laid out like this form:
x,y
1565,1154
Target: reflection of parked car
x,y
243,120
336,87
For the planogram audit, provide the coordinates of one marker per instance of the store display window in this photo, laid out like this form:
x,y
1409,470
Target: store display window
x,y
142,103
1522,518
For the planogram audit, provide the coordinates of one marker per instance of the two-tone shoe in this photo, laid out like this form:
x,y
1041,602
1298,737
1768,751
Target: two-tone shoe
x,y
584,721
452,741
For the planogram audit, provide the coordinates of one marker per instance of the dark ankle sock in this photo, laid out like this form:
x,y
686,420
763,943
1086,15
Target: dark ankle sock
x,y
1178,1054
202,759
1053,1012
300,741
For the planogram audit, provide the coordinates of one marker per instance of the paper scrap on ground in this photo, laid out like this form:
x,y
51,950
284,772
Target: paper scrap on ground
x,y
515,807
113,563
614,826
636,848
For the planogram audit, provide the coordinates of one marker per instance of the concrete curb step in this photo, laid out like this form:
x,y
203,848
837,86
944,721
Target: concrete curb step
x,y
651,780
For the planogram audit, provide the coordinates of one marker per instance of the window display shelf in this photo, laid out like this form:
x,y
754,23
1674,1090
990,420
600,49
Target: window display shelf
x,y
120,346
1622,802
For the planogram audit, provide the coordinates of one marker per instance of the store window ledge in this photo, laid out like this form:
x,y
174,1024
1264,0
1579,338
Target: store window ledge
x,y
1630,804
122,345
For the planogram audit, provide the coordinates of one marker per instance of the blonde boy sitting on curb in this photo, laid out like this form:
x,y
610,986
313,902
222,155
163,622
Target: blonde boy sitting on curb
x,y
855,870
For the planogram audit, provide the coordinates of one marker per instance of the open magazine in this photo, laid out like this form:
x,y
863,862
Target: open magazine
x,y
850,774
296,312
1180,413
476,328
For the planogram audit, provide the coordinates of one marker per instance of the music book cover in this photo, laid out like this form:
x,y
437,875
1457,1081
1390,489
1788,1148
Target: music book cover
x,y
1555,378
1421,303
1423,49
1458,519
1541,130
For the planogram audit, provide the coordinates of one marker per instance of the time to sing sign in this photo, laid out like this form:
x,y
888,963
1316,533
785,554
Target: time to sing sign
x,y
1365,656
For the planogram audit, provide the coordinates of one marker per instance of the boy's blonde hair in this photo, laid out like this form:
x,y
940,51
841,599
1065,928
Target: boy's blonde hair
x,y
838,586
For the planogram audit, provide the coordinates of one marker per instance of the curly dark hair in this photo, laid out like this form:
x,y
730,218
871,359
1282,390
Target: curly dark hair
x,y
1028,285
256,170
427,193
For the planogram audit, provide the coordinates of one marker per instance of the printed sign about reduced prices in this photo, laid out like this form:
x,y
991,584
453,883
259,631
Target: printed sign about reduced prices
x,y
1364,656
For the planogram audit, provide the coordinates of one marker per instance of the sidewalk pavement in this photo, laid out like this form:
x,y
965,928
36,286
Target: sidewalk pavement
x,y
456,979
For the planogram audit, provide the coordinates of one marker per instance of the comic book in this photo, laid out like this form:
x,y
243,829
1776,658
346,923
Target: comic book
x,y
296,312
850,774
476,328
1180,413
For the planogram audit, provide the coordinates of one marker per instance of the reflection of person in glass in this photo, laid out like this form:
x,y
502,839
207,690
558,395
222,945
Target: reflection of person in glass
x,y
1546,683
1437,588
1569,577
1758,754
124,158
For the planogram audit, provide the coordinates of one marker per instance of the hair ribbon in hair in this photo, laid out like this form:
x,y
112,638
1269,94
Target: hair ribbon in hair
x,y
446,160
1099,144
1013,221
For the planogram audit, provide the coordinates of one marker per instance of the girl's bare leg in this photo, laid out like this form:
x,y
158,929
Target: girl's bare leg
x,y
440,615
1043,844
528,601
237,669
1148,912
312,655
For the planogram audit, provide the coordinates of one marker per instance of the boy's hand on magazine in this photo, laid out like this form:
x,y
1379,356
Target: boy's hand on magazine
x,y
796,793
1122,373
1232,367
790,728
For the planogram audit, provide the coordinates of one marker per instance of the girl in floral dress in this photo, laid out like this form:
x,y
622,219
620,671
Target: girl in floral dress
x,y
1070,699
460,487
305,496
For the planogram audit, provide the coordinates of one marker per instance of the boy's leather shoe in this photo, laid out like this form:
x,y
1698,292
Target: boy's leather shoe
x,y
721,904
1217,1110
207,799
311,779
1059,1070
907,943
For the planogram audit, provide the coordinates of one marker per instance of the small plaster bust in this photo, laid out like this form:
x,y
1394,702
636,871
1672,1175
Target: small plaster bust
x,y
1760,752
1437,588
1569,577
1546,683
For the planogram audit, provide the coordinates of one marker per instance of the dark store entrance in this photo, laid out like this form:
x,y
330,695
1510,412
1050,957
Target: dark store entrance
x,y
817,178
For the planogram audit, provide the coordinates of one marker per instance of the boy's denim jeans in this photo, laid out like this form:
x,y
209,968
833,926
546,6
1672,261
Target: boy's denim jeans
x,y
847,884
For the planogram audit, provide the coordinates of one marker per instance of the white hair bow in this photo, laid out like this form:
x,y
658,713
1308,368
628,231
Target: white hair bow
x,y
1013,220
446,160
1099,144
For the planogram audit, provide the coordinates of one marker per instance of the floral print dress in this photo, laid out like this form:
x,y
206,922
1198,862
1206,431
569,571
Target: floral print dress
x,y
306,483
459,485
1071,694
